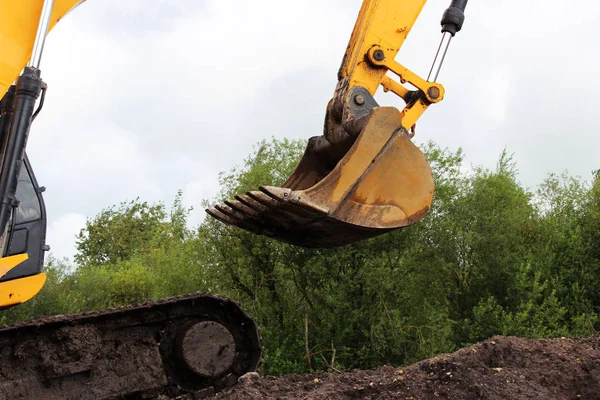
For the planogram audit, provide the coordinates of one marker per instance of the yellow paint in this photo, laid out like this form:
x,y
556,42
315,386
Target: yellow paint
x,y
18,26
385,23
8,263
383,182
393,86
20,290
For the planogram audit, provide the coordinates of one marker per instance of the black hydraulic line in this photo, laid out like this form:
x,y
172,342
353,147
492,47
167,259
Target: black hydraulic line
x,y
41,105
7,110
28,88
454,17
11,231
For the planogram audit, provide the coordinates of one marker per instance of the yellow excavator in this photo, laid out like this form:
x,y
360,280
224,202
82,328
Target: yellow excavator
x,y
361,178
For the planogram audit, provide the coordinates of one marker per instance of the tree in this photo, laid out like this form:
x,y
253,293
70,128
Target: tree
x,y
490,258
117,233
344,307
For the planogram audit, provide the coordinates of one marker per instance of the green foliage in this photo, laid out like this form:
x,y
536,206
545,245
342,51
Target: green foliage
x,y
271,163
119,233
126,282
490,258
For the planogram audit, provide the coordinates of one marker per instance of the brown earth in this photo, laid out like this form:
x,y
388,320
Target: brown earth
x,y
501,368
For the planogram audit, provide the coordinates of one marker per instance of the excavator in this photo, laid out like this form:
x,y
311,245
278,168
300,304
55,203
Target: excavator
x,y
361,178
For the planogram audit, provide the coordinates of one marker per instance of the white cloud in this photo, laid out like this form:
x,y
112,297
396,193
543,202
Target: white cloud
x,y
61,234
497,88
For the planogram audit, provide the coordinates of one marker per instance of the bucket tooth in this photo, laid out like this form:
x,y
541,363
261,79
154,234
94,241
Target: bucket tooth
x,y
263,199
381,183
276,192
295,215
279,218
268,218
230,212
240,219
213,212
283,197
250,202
223,217
241,207
227,211
296,197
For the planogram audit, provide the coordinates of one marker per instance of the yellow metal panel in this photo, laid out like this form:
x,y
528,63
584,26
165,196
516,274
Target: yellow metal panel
x,y
8,263
384,23
384,181
20,290
18,26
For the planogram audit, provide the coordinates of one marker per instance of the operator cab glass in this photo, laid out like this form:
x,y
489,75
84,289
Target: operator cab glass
x,y
28,235
30,208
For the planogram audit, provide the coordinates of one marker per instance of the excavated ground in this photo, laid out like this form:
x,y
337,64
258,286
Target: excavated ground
x,y
501,368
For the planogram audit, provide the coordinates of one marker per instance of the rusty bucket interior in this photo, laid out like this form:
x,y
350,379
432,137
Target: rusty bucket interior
x,y
346,188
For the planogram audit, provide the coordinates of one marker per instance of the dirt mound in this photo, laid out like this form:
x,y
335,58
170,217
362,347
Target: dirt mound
x,y
501,368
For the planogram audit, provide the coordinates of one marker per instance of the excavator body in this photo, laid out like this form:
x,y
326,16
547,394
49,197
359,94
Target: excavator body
x,y
362,177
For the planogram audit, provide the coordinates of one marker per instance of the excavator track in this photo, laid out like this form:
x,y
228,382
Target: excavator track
x,y
182,347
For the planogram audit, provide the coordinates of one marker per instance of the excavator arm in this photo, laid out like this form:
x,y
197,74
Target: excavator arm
x,y
381,28
363,177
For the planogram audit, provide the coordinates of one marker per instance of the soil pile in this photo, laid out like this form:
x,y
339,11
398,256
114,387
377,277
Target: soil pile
x,y
501,368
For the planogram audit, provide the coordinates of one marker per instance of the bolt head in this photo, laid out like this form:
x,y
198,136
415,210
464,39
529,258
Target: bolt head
x,y
379,55
433,92
359,99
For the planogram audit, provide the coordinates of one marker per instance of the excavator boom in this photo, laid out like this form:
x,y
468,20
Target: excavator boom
x,y
19,21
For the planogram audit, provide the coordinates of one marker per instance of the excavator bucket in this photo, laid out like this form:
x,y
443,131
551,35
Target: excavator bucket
x,y
382,182
363,176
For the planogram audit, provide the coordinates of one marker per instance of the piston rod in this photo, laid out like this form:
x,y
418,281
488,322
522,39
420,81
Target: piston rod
x,y
439,57
452,22
42,32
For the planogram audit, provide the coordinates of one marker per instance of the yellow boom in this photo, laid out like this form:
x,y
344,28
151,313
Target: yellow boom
x,y
18,25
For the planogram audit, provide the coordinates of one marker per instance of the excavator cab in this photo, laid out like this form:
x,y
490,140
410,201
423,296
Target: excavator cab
x,y
27,226
22,242
363,177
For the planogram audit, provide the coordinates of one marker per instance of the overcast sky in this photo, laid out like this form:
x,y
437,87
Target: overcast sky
x,y
150,96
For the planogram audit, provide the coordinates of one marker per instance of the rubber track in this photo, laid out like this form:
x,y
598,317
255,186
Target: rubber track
x,y
130,352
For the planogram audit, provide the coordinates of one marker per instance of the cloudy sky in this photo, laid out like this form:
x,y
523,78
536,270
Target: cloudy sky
x,y
150,96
